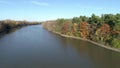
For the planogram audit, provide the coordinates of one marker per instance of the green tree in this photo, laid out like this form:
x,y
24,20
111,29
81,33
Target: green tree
x,y
94,19
117,22
109,19
76,20
83,18
60,23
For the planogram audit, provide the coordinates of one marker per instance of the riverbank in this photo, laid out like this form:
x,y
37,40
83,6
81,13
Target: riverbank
x,y
8,25
101,45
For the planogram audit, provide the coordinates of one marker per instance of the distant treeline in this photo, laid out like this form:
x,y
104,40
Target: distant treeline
x,y
104,29
10,24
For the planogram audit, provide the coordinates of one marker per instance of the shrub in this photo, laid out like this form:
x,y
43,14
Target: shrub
x,y
115,43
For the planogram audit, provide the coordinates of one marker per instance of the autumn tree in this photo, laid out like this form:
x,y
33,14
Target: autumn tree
x,y
60,23
84,29
65,28
74,27
103,33
104,28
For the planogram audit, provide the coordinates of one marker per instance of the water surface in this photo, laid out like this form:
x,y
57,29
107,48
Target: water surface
x,y
34,47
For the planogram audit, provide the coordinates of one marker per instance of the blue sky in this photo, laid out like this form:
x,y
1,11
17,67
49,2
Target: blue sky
x,y
41,10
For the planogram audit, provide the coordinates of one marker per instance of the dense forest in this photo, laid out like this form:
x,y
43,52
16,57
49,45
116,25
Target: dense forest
x,y
104,29
10,24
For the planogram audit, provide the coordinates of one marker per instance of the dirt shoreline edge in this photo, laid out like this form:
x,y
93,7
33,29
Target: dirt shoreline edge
x,y
101,45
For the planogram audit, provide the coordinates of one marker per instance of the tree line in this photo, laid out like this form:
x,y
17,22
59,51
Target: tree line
x,y
10,24
104,29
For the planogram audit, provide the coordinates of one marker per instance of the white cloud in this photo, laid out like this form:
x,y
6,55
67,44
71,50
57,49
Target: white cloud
x,y
39,3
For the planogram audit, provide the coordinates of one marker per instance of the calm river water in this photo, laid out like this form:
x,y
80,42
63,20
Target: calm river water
x,y
35,47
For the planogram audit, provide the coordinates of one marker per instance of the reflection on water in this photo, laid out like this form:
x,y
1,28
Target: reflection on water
x,y
34,47
100,57
9,31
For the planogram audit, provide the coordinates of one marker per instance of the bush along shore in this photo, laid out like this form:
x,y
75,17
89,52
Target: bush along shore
x,y
101,30
6,25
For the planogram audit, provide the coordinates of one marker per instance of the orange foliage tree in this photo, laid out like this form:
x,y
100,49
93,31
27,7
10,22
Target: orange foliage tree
x,y
74,27
103,33
65,27
84,29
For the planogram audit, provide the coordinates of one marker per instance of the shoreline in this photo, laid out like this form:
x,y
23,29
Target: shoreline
x,y
101,45
15,27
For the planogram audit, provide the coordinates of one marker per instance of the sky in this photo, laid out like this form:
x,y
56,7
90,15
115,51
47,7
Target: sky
x,y
42,10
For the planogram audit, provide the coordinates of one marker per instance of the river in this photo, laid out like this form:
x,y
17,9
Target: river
x,y
35,47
